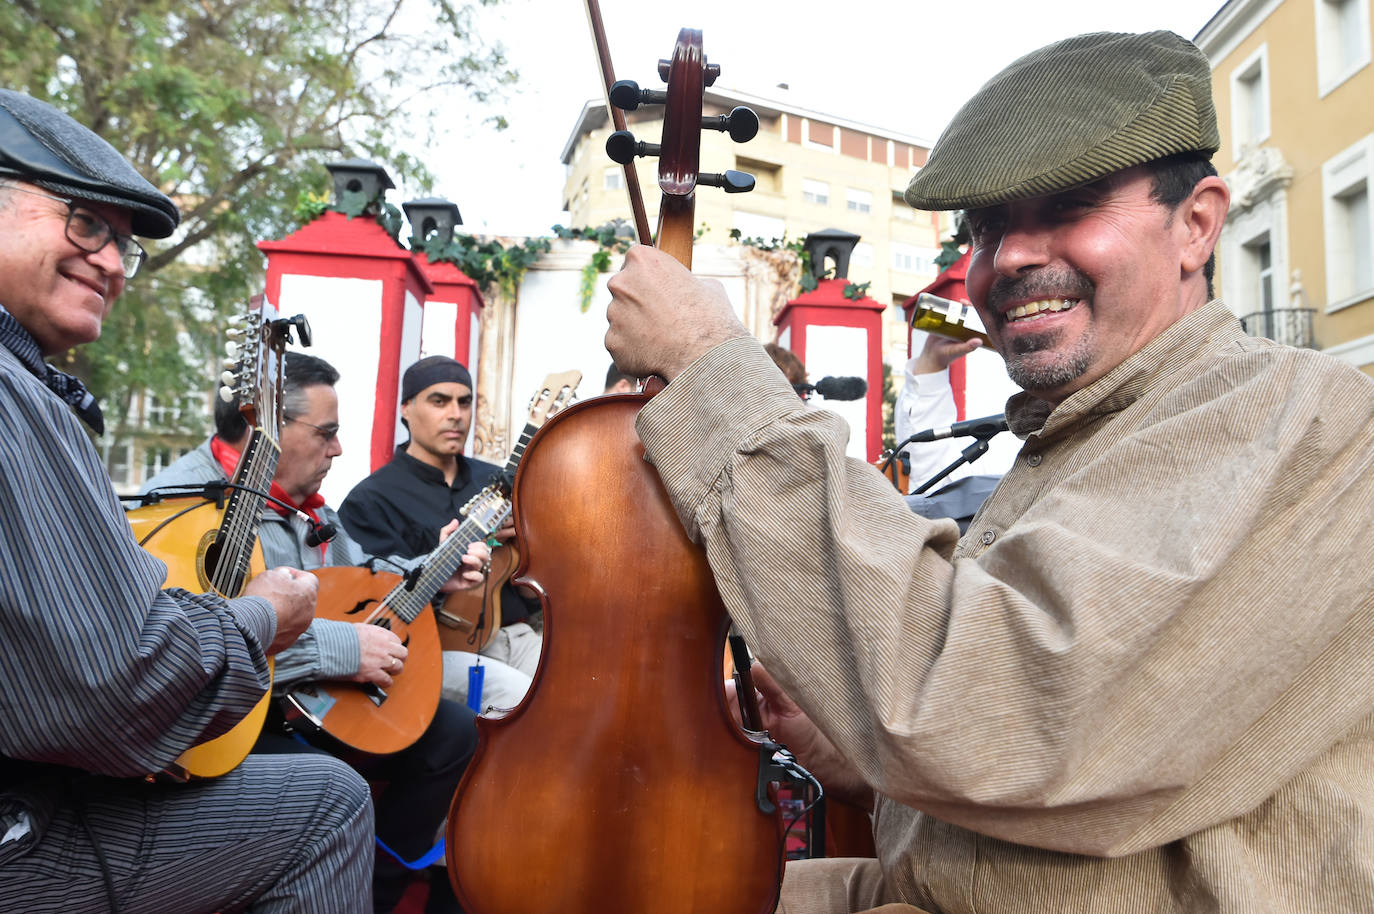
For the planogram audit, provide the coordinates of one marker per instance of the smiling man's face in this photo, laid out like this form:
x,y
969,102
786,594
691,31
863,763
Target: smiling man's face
x,y
58,292
1070,285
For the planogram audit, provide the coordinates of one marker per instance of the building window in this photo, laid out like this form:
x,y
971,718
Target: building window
x,y
1342,41
1260,265
819,136
1250,101
907,258
901,210
117,459
817,192
155,460
767,175
862,256
613,179
1346,180
858,201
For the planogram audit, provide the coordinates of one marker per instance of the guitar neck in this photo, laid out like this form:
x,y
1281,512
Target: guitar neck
x,y
413,594
516,455
238,531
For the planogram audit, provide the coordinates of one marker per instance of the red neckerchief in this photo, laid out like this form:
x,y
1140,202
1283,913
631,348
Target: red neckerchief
x,y
228,457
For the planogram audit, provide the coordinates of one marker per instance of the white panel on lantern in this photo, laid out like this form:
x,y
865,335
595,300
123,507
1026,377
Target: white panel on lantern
x,y
474,351
346,317
410,354
437,335
838,352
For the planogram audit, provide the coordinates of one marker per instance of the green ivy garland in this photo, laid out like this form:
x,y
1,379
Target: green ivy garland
x,y
610,241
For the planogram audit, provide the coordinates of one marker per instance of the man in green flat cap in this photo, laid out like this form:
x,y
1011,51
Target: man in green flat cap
x,y
1140,681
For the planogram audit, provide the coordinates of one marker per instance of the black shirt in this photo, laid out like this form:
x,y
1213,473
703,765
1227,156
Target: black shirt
x,y
400,508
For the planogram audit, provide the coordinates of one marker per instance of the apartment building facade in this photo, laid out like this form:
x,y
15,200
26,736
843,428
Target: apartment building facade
x,y
1293,86
812,170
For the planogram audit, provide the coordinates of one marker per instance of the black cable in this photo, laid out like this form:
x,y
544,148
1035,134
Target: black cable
x,y
79,810
482,615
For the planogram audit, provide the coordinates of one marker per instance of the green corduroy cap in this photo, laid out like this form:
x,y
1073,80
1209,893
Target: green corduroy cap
x,y
1068,114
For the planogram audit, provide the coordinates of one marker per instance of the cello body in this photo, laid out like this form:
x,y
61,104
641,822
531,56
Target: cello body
x,y
620,784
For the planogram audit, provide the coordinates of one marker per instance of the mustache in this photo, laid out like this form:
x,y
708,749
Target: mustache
x,y
1041,284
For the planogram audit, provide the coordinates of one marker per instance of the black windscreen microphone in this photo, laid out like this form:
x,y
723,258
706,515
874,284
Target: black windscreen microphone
x,y
985,427
319,532
843,388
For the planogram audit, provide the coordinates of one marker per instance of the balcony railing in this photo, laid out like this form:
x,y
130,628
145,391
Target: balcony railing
x,y
1291,326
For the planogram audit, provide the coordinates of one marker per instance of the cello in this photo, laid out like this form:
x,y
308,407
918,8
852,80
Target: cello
x,y
621,782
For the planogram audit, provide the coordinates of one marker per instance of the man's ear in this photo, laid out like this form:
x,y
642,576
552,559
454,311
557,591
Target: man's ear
x,y
1203,214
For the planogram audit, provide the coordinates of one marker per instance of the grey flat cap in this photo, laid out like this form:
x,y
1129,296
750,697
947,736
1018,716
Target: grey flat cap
x,y
1068,114
43,146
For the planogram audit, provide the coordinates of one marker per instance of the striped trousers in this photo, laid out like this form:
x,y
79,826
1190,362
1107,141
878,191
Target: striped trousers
x,y
277,834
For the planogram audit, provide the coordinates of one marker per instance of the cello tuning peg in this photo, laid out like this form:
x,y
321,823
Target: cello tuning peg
x,y
741,123
712,71
622,147
626,95
732,182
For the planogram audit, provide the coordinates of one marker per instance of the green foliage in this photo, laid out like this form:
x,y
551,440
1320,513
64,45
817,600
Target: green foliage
x,y
611,239
855,291
487,263
951,249
808,282
231,107
889,409
309,206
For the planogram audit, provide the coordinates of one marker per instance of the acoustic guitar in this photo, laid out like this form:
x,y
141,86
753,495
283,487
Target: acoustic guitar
x,y
380,721
209,542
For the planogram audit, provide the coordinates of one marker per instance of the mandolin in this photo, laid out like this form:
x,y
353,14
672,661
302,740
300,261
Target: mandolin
x,y
380,721
210,544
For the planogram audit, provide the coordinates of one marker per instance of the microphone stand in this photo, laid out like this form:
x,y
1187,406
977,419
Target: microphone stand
x,y
971,453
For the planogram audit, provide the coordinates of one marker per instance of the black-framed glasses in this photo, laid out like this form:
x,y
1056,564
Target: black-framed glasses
x,y
90,232
327,433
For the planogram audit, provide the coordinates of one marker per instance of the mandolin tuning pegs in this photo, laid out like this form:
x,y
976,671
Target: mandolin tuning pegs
x,y
741,123
226,394
732,182
232,349
622,147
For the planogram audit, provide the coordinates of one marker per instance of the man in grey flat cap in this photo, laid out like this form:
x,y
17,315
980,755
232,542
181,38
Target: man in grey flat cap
x,y
1140,681
105,678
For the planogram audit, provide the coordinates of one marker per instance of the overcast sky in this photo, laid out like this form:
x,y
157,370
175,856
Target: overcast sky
x,y
906,66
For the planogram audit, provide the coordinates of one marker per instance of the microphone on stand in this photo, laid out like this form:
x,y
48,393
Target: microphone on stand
x,y
985,427
842,388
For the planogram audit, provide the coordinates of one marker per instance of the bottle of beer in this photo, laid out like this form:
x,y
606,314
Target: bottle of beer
x,y
943,317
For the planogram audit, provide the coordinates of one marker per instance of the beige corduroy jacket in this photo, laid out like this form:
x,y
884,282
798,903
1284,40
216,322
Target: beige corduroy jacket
x,y
1141,682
